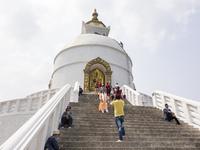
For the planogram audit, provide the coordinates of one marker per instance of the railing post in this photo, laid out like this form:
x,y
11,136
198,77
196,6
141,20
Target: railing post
x,y
154,100
7,107
40,102
76,96
17,106
123,91
29,101
163,100
76,92
187,113
139,100
48,96
174,106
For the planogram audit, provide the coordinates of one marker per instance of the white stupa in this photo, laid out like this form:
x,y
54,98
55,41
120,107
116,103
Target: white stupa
x,y
92,57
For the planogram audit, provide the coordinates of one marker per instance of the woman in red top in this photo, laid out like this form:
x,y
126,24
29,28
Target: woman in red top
x,y
117,91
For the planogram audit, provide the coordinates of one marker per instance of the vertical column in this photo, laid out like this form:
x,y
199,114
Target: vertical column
x,y
17,106
187,113
29,101
86,80
139,100
163,100
174,106
154,100
108,75
7,107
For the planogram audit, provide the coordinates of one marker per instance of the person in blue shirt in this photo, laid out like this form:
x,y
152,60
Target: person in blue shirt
x,y
67,117
52,142
169,115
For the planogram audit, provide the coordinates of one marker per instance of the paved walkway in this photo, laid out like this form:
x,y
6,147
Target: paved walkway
x,y
10,124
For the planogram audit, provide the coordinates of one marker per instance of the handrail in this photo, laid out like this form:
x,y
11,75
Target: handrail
x,y
185,109
26,105
132,96
33,134
43,92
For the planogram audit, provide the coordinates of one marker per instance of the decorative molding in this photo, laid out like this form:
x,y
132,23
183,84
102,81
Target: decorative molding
x,y
97,60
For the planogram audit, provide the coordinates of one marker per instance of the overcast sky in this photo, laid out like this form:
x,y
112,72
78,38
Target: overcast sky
x,y
162,37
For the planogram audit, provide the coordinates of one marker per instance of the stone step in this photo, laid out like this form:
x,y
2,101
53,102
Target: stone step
x,y
145,144
124,148
125,123
96,110
131,132
111,116
144,133
129,108
128,138
89,126
130,128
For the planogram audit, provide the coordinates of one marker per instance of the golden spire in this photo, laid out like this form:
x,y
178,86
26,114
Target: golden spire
x,y
95,20
95,15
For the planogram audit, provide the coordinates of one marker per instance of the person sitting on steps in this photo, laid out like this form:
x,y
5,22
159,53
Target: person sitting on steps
x,y
67,117
52,142
169,115
80,91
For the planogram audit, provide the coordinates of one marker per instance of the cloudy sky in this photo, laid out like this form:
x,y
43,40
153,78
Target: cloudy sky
x,y
162,37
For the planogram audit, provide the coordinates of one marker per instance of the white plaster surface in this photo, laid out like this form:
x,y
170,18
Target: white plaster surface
x,y
91,29
72,60
89,39
10,124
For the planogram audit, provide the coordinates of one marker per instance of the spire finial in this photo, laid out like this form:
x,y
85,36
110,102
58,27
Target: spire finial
x,y
95,15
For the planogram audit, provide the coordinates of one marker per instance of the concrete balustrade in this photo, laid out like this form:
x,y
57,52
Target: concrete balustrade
x,y
34,133
136,98
185,109
146,100
41,93
27,105
132,96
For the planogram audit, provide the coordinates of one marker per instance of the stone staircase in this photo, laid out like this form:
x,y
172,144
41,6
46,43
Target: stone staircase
x,y
144,126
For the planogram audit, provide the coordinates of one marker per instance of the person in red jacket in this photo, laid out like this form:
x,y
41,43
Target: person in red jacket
x,y
108,89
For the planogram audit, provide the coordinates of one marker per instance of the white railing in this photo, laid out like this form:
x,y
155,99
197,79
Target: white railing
x,y
76,92
34,133
44,92
132,96
146,100
185,109
27,105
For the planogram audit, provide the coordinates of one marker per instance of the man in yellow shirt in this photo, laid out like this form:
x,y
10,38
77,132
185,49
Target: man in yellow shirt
x,y
119,116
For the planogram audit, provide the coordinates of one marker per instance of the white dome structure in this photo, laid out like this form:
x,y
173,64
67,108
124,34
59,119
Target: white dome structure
x,y
92,57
